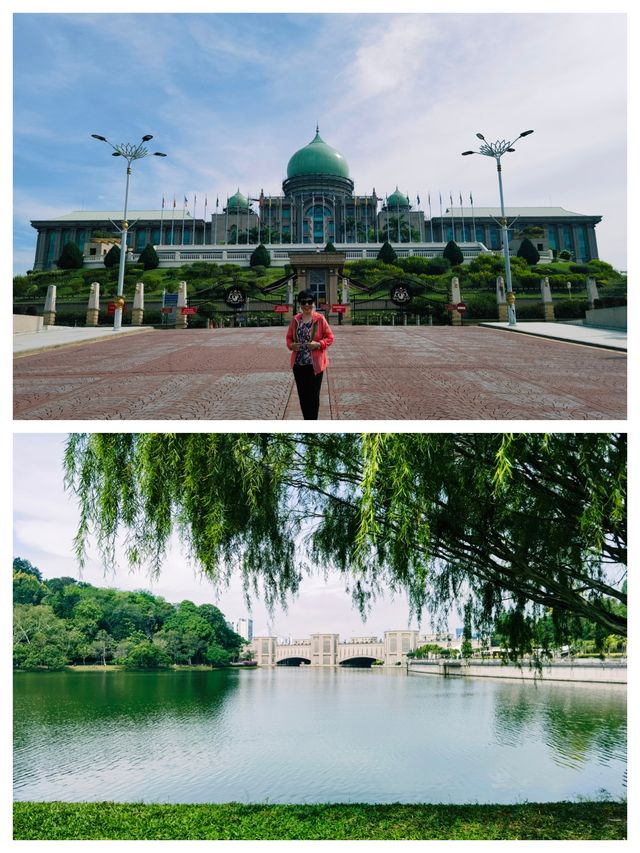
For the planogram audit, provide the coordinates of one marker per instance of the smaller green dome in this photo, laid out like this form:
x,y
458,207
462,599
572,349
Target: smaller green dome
x,y
397,199
238,201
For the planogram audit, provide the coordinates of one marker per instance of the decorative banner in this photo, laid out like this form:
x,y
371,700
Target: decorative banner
x,y
234,297
167,310
339,309
186,309
111,306
281,309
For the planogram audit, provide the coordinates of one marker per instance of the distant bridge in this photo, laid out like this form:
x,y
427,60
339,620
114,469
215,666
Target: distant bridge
x,y
329,650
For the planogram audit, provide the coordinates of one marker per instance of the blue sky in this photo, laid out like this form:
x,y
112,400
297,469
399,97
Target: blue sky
x,y
230,97
44,523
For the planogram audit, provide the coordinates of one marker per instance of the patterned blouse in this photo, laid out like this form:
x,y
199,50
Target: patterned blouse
x,y
303,356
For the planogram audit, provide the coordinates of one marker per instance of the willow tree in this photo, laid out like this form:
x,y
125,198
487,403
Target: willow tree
x,y
513,524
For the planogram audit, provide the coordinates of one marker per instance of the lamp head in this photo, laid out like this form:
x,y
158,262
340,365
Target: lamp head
x,y
159,154
526,132
116,154
465,153
480,136
147,137
97,136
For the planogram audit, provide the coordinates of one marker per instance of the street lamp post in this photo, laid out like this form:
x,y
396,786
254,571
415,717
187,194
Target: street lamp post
x,y
496,150
130,153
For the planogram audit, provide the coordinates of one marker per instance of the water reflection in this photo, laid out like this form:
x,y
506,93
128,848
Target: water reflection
x,y
577,723
312,735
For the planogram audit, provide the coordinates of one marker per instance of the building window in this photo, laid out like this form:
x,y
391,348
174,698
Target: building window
x,y
582,243
140,239
51,248
155,236
567,242
552,236
494,237
81,237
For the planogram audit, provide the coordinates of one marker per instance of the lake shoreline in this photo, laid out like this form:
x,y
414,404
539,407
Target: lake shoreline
x,y
598,820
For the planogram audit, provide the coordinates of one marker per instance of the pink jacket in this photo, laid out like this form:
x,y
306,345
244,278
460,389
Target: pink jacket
x,y
320,332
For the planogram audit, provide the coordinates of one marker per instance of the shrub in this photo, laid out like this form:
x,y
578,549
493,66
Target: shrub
x,y
112,258
529,252
146,655
387,253
330,247
70,258
453,253
260,257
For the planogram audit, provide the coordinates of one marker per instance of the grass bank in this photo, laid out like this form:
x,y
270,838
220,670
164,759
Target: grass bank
x,y
233,821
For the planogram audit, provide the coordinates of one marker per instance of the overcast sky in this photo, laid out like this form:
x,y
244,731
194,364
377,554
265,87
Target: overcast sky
x,y
45,519
230,98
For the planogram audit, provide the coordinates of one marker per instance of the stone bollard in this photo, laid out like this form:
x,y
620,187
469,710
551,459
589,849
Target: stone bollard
x,y
49,315
181,319
137,315
93,307
456,317
501,298
549,314
592,291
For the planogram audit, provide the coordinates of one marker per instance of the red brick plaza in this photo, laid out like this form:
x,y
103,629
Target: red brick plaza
x,y
401,373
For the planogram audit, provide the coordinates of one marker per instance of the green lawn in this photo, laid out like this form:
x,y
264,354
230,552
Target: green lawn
x,y
232,821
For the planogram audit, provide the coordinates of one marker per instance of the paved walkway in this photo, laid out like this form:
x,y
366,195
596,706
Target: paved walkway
x,y
51,337
401,373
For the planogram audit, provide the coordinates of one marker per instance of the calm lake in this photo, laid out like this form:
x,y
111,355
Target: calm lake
x,y
303,735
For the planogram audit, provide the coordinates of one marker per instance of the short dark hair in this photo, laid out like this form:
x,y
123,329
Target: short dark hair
x,y
306,294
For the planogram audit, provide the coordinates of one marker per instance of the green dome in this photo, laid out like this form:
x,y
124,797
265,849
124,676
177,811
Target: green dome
x,y
397,199
317,158
238,201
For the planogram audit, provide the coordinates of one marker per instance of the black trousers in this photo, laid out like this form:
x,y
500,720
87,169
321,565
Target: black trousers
x,y
308,384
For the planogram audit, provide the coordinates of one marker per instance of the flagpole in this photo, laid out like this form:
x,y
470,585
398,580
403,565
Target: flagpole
x,y
366,220
193,230
464,235
204,225
161,218
453,223
441,220
184,210
226,222
430,216
173,213
473,219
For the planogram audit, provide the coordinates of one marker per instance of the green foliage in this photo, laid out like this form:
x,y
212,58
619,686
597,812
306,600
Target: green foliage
x,y
529,252
425,266
39,638
330,247
260,257
387,254
216,655
453,253
112,258
327,821
99,625
507,522
145,655
70,258
149,258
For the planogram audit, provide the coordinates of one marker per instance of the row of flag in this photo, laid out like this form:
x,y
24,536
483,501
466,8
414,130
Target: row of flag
x,y
266,201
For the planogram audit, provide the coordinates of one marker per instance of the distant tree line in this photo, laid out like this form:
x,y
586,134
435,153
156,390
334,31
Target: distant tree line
x,y
62,621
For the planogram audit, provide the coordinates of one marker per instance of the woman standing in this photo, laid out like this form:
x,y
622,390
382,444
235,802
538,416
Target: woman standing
x,y
308,337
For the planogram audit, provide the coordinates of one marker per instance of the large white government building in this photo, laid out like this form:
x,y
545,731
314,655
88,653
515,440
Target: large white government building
x,y
317,205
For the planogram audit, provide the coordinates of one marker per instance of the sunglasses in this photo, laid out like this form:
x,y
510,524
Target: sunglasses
x,y
306,302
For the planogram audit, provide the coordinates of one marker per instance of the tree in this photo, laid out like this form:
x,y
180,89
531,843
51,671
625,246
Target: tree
x,y
25,567
112,258
27,589
39,638
508,522
145,655
260,257
71,257
216,655
329,247
149,257
529,252
453,253
387,254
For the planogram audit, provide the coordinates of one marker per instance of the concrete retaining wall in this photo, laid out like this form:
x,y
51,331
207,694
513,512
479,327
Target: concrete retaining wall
x,y
26,323
587,671
612,318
